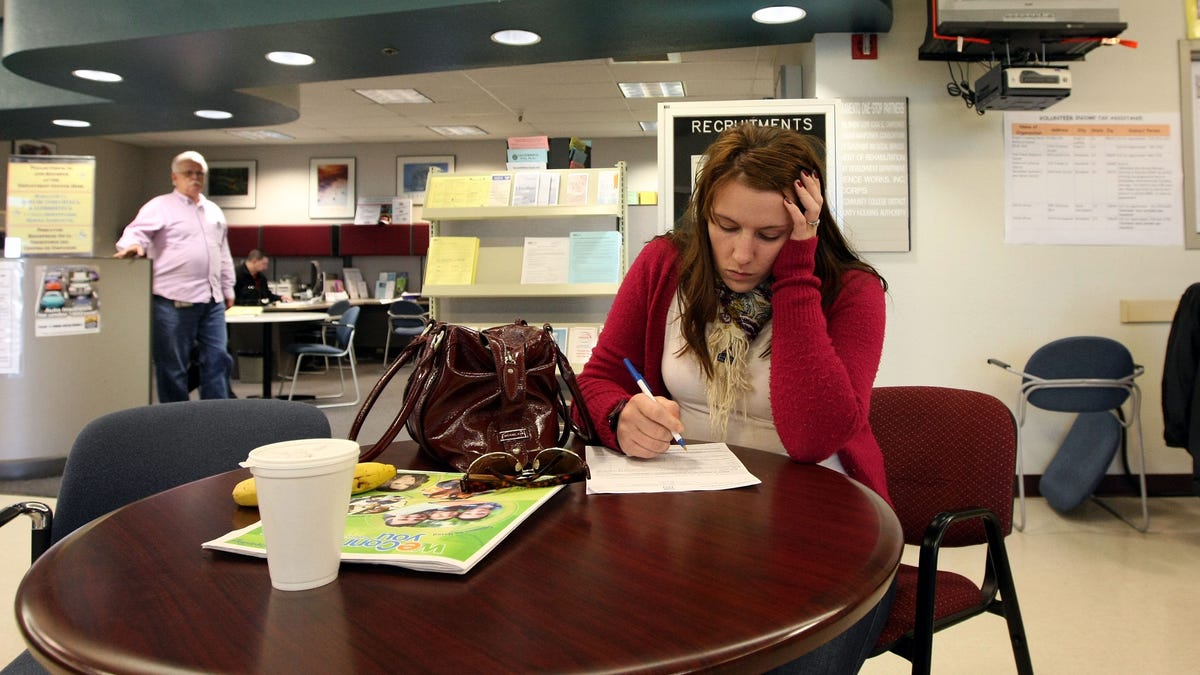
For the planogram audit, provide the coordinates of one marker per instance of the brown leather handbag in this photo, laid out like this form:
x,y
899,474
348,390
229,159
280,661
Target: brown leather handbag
x,y
474,392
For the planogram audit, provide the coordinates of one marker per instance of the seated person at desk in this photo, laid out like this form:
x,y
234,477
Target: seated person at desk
x,y
755,324
250,286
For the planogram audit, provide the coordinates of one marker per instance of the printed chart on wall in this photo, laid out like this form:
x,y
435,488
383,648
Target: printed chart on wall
x,y
1093,178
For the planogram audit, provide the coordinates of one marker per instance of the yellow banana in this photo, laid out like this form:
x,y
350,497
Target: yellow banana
x,y
370,475
367,476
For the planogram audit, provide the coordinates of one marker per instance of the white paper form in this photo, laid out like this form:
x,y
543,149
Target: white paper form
x,y
704,466
1093,178
544,260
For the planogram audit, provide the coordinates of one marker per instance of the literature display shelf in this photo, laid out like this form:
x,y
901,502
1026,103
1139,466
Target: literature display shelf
x,y
577,200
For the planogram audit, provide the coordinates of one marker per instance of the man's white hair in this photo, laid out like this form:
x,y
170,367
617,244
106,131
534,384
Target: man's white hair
x,y
189,156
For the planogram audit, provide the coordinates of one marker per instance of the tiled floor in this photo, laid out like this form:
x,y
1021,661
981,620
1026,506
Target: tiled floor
x,y
1097,596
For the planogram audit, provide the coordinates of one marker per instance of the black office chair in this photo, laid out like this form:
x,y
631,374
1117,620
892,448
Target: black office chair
x,y
406,318
342,350
1094,377
949,455
126,455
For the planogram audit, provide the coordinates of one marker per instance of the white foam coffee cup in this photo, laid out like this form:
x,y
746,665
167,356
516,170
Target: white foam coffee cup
x,y
303,492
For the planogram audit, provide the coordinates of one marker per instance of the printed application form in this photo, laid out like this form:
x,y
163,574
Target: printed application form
x,y
705,466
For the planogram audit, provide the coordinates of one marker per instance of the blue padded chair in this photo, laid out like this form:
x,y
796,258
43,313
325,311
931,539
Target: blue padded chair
x,y
126,455
1087,375
342,349
406,318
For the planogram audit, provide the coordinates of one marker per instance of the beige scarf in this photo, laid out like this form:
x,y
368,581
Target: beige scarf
x,y
738,323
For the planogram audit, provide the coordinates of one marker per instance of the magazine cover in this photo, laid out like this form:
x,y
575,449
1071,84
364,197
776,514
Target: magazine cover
x,y
418,520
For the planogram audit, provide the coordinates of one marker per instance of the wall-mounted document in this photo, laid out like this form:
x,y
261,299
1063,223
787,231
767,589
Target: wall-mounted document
x,y
545,260
451,261
595,258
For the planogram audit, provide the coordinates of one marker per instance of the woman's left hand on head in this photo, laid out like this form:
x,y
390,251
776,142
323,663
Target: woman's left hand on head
x,y
804,206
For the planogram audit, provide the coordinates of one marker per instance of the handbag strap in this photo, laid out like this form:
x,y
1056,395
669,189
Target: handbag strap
x,y
424,345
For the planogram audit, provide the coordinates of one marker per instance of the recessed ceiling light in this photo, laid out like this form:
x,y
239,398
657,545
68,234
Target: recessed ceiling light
x,y
72,123
213,114
394,95
458,131
649,126
260,135
652,89
96,75
516,38
291,58
778,14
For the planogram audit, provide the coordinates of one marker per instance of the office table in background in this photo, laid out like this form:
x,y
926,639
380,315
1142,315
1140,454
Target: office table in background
x,y
269,320
734,580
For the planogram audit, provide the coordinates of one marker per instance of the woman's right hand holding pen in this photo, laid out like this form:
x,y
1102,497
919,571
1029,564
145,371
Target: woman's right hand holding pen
x,y
645,425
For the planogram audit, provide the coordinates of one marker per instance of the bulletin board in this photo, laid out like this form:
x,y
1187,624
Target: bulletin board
x,y
1189,103
873,212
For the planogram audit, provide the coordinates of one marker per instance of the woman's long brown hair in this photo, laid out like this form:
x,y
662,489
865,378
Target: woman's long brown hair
x,y
762,158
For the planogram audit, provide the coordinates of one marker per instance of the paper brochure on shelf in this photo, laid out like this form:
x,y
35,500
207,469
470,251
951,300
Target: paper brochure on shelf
x,y
548,189
606,188
529,143
576,192
457,191
500,192
451,261
525,188
544,260
422,521
595,258
580,341
354,281
704,466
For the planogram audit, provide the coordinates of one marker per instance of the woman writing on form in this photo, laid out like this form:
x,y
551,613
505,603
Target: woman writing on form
x,y
755,275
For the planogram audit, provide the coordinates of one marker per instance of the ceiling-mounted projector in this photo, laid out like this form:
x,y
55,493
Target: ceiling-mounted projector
x,y
1008,87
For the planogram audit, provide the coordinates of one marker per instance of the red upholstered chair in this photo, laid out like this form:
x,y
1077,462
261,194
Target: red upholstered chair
x,y
950,456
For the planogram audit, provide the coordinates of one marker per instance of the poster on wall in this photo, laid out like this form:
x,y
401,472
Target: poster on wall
x,y
685,130
51,202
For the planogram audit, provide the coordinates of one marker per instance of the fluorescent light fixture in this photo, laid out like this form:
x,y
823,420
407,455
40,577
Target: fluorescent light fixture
x,y
291,58
394,95
649,126
79,124
458,131
516,38
213,114
260,135
778,14
652,89
96,75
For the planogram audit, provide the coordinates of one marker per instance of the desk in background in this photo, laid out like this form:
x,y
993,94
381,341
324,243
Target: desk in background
x,y
735,580
268,321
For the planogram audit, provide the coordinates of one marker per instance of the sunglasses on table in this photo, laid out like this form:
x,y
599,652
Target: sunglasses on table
x,y
549,467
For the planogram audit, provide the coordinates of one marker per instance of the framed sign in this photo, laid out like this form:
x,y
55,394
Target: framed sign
x,y
685,130
331,184
412,173
232,184
32,147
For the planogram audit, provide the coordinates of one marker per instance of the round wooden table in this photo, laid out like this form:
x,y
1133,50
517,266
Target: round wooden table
x,y
733,580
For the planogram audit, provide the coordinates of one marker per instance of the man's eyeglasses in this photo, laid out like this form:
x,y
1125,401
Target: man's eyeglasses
x,y
191,174
549,467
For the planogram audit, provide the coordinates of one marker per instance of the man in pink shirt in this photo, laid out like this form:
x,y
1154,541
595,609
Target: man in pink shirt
x,y
186,237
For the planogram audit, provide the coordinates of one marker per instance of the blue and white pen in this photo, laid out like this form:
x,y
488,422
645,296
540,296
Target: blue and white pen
x,y
641,383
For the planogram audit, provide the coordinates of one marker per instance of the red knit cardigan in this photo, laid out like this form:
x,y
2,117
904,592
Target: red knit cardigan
x,y
823,363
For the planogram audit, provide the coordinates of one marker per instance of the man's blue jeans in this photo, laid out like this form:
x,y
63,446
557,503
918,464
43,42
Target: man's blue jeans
x,y
176,331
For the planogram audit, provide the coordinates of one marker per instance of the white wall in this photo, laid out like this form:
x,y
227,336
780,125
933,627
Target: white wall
x,y
960,296
963,295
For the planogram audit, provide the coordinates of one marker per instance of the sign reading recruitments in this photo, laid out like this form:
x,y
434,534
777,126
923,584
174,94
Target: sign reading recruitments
x,y
51,204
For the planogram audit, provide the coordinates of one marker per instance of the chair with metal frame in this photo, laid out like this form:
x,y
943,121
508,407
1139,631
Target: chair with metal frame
x,y
406,318
126,455
1084,375
342,350
949,455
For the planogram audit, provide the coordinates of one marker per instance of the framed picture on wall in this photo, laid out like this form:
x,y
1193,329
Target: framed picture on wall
x,y
31,147
413,172
232,184
331,187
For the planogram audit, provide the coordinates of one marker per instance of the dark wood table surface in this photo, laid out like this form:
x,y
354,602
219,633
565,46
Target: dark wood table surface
x,y
734,580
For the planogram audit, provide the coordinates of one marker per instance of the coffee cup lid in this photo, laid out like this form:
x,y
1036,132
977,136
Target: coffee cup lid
x,y
302,454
